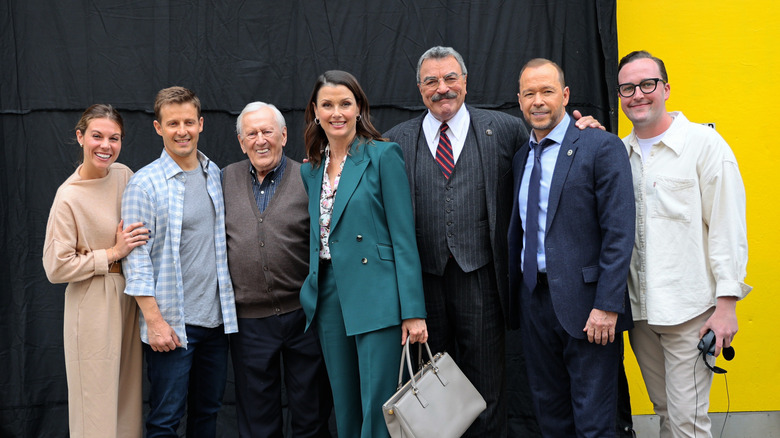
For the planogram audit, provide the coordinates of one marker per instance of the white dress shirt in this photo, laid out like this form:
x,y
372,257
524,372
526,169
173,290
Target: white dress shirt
x,y
691,236
457,129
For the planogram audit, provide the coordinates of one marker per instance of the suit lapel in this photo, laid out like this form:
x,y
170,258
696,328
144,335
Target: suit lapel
x,y
354,167
488,155
562,166
314,183
409,145
523,152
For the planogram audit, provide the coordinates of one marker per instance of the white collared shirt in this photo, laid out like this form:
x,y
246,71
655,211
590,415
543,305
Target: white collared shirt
x,y
691,236
458,128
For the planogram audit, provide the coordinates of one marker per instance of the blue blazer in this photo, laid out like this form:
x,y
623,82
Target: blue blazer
x,y
372,240
590,230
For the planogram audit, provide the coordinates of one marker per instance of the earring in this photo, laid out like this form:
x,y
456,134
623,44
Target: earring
x,y
81,145
316,121
357,119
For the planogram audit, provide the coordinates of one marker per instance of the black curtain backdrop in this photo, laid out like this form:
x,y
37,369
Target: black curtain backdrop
x,y
57,58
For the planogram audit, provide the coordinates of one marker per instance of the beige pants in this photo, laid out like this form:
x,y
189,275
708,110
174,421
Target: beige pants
x,y
676,378
103,359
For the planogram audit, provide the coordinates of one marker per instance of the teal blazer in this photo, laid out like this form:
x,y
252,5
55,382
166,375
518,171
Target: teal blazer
x,y
372,240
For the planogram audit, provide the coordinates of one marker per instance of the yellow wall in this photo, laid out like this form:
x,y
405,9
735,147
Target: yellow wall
x,y
723,60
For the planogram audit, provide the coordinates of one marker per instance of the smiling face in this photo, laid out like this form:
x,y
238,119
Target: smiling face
x,y
180,128
262,140
646,111
541,98
337,110
102,142
445,98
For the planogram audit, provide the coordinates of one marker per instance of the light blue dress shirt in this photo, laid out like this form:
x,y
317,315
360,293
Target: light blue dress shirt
x,y
549,158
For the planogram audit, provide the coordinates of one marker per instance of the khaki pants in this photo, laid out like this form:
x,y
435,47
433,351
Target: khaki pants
x,y
677,380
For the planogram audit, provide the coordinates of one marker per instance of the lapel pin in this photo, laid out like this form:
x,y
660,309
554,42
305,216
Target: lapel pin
x,y
489,132
569,152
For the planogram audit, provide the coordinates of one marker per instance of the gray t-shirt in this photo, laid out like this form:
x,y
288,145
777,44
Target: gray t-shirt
x,y
198,254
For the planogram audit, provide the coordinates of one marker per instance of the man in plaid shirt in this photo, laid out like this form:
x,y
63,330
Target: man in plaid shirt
x,y
180,278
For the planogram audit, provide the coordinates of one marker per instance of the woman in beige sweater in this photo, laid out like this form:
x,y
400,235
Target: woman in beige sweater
x,y
85,242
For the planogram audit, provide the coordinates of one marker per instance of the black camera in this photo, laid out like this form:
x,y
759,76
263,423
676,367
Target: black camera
x,y
707,347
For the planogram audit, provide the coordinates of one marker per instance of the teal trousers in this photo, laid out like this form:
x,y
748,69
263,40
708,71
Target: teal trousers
x,y
363,369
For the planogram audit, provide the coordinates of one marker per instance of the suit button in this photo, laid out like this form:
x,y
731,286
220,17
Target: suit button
x,y
359,238
364,261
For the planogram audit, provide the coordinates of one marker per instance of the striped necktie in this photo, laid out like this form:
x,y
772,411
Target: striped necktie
x,y
444,152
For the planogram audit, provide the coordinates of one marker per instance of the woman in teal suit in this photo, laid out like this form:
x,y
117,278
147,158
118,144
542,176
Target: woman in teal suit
x,y
364,291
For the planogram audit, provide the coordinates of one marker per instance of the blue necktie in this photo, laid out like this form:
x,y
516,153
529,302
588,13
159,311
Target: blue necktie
x,y
530,267
444,152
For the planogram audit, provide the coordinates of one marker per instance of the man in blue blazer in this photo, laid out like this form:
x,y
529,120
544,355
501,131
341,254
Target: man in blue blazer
x,y
570,294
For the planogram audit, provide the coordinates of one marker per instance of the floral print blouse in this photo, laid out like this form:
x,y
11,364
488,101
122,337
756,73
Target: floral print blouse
x,y
327,195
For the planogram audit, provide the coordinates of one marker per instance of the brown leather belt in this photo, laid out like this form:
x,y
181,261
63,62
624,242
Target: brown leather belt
x,y
115,268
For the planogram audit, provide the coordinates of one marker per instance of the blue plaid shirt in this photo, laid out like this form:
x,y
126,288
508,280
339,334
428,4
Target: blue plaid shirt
x,y
265,190
155,195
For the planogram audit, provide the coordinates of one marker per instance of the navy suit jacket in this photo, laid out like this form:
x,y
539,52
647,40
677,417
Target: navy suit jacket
x,y
590,231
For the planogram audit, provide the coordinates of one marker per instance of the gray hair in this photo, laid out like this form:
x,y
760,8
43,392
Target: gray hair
x,y
439,52
255,106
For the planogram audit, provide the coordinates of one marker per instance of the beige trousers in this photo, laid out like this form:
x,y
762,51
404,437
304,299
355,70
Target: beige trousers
x,y
103,359
677,380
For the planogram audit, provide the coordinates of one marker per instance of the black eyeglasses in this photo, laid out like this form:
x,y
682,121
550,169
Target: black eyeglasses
x,y
647,86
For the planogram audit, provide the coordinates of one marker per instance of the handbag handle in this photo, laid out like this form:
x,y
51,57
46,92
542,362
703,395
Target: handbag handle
x,y
406,356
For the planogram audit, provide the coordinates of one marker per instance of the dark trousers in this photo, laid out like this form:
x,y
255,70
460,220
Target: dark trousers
x,y
465,319
257,350
573,382
196,375
625,422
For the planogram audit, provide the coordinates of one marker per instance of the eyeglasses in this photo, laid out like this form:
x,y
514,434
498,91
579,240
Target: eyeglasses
x,y
647,86
253,135
449,80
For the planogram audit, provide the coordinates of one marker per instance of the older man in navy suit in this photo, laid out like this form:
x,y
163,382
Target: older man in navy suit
x,y
570,239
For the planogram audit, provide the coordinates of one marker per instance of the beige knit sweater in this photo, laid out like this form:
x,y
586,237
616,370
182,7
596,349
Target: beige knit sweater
x,y
82,225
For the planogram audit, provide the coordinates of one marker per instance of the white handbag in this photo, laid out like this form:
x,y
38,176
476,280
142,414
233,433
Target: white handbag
x,y
438,401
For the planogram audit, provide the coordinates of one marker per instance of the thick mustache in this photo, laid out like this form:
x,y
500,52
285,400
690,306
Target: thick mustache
x,y
447,95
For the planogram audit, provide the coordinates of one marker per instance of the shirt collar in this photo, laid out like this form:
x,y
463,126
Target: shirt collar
x,y
674,137
279,167
458,124
557,133
171,168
